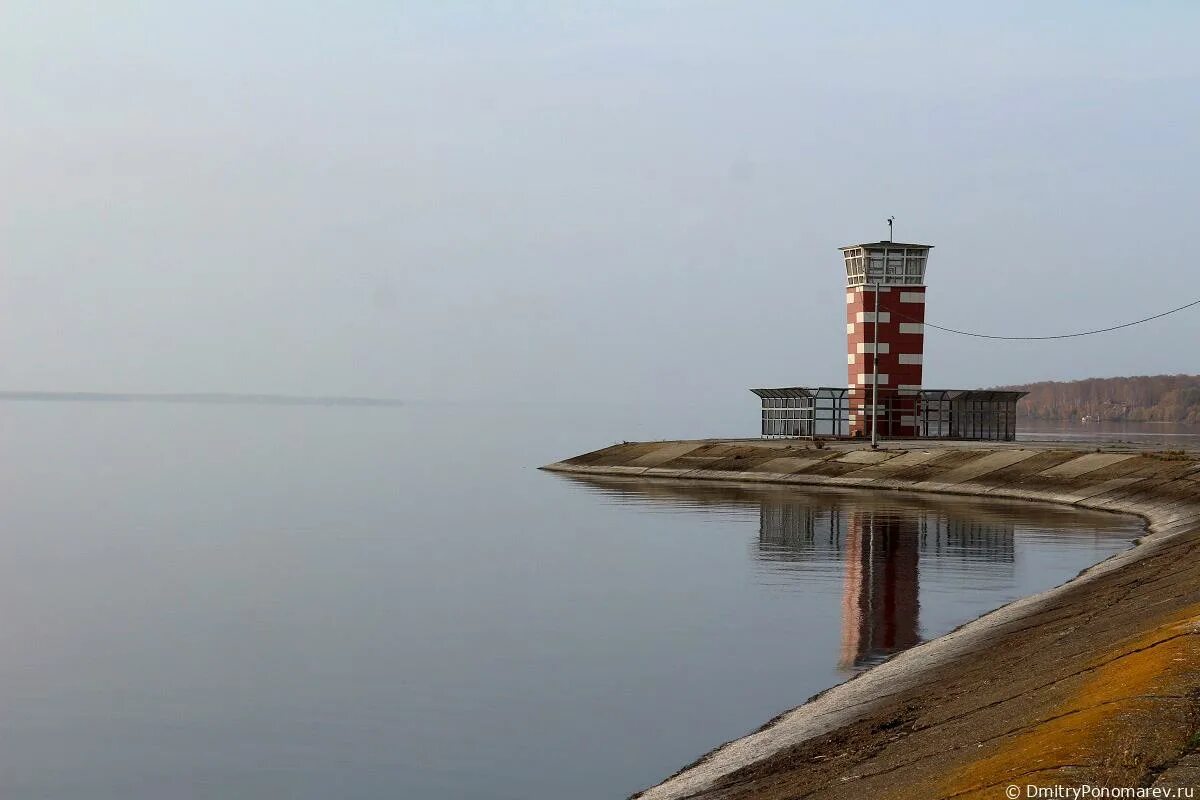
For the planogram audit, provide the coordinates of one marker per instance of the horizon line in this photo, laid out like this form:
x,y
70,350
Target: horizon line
x,y
210,398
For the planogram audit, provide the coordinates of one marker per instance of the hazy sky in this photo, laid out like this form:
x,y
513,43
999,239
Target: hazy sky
x,y
571,200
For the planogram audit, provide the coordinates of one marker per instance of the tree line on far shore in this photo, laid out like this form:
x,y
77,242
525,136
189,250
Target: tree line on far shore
x,y
1143,398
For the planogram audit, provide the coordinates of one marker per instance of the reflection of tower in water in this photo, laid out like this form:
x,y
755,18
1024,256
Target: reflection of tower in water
x,y
879,596
881,552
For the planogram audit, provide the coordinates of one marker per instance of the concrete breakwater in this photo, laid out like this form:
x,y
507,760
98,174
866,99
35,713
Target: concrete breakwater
x,y
1094,682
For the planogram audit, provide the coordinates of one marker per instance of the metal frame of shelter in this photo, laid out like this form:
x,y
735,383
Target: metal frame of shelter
x,y
823,411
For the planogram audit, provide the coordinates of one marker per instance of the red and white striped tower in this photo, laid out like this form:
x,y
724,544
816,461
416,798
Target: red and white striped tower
x,y
892,275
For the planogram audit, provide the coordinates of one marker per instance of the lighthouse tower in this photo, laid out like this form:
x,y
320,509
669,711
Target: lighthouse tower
x,y
885,314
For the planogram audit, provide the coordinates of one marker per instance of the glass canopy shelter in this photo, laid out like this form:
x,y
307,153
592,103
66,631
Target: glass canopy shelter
x,y
813,412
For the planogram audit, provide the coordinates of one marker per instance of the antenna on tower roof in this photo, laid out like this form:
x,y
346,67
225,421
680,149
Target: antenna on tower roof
x,y
890,221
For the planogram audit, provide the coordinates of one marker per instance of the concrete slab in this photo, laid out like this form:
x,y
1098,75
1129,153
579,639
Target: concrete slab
x,y
1085,464
899,463
664,472
722,475
1095,490
865,457
853,480
664,454
983,465
625,470
787,464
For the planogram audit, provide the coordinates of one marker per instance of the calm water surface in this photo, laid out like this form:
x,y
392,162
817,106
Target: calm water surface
x,y
215,602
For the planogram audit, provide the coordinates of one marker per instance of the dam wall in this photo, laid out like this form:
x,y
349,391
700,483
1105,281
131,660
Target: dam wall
x,y
1095,682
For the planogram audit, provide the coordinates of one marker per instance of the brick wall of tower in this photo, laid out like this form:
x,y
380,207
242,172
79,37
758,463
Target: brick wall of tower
x,y
901,350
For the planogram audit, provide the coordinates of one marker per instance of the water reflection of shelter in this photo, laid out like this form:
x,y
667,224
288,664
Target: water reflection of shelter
x,y
881,552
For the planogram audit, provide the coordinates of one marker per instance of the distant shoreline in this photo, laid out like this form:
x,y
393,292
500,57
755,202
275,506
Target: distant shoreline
x,y
1077,421
199,398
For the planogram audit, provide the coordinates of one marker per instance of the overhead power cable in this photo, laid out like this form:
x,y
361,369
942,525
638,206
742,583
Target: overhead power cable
x,y
1063,335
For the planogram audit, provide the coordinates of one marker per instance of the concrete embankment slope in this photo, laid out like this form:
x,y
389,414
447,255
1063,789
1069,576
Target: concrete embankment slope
x,y
1094,682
